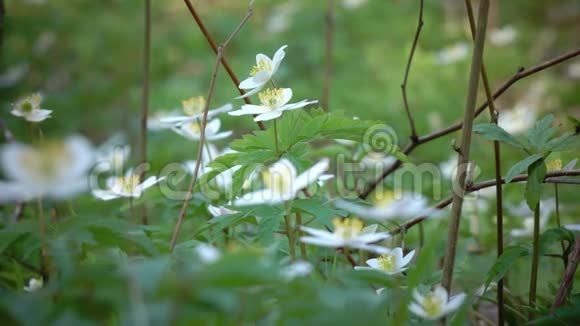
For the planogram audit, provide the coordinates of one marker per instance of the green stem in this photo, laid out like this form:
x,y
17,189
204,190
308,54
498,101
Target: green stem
x,y
303,252
276,136
290,235
43,249
535,259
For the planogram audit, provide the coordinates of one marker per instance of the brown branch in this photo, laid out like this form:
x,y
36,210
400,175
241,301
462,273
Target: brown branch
x,y
223,60
414,135
568,279
520,74
485,184
220,52
329,38
145,98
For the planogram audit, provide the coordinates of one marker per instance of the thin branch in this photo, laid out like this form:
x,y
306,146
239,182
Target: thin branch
x,y
414,135
568,279
497,159
462,162
220,52
223,60
329,38
145,98
485,184
520,74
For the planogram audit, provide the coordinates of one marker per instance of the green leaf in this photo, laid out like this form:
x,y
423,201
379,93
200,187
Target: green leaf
x,y
536,174
494,132
319,208
549,237
505,262
564,143
541,133
521,166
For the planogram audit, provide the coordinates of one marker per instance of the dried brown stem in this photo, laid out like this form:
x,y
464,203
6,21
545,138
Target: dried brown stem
x,y
520,74
414,135
223,60
220,52
568,279
145,98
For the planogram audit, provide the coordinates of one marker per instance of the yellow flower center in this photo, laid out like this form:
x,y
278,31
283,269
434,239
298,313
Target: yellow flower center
x,y
554,165
194,105
383,199
45,161
127,184
271,98
193,128
387,262
277,182
347,228
263,65
432,305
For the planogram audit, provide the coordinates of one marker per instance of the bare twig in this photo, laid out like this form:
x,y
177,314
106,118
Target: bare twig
x,y
457,203
568,279
145,98
329,38
220,52
520,74
214,47
414,135
497,159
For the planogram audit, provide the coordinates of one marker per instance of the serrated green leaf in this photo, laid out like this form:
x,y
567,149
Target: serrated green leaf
x,y
521,167
541,133
564,143
319,208
536,174
492,131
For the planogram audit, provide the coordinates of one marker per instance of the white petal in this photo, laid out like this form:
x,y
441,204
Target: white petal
x,y
407,259
573,227
318,233
13,192
254,109
213,126
286,95
374,263
454,303
268,116
370,229
418,310
105,194
417,296
149,182
219,136
441,293
296,105
283,168
265,196
253,82
38,115
322,242
254,90
311,175
278,57
363,268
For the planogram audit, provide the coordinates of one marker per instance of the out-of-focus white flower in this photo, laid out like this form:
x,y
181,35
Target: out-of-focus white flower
x,y
128,186
29,108
546,208
449,169
14,75
224,179
192,130
279,20
573,70
323,179
155,120
573,227
34,284
297,269
380,291
273,102
54,169
112,158
262,72
503,36
217,211
347,233
378,160
353,4
391,261
388,205
207,253
435,304
282,183
452,54
482,290
193,109
521,118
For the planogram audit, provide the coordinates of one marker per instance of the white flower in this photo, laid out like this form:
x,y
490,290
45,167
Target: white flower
x,y
353,4
155,120
322,179
127,186
573,70
388,205
262,72
297,269
378,160
503,36
208,254
34,284
53,170
193,109
273,103
391,261
282,183
435,304
279,20
347,233
546,208
29,108
573,227
521,118
217,211
112,158
452,54
192,130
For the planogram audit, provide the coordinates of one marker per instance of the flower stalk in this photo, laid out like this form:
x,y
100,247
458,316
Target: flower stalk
x,y
535,260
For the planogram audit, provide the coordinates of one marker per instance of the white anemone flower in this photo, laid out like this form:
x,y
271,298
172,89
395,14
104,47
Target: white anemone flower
x,y
297,269
546,208
282,183
391,261
127,186
207,253
217,211
192,130
193,109
54,169
452,54
34,284
273,102
29,108
503,36
112,158
388,205
262,72
155,121
435,304
347,233
521,118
